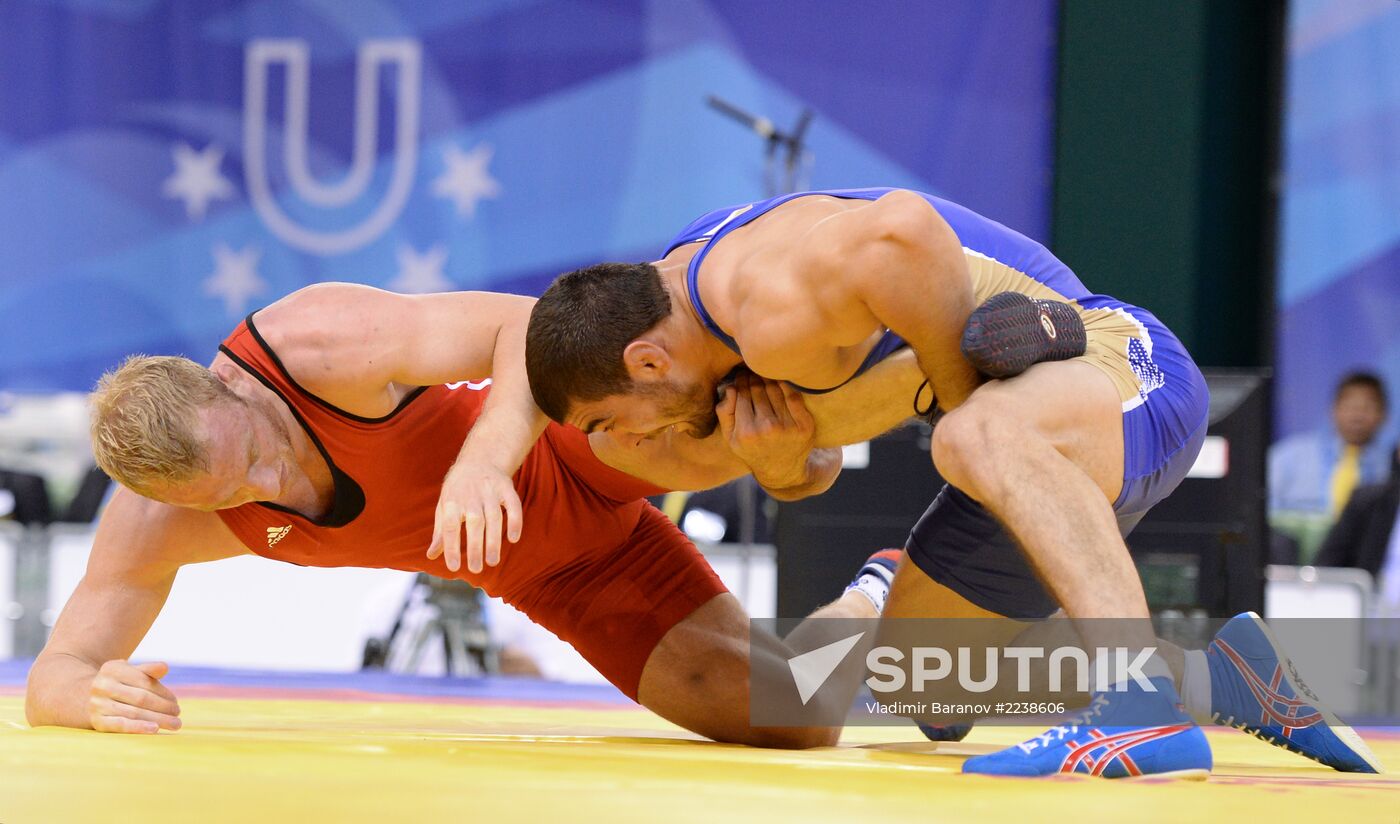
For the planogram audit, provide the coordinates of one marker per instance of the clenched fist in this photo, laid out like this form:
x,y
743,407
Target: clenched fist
x,y
768,427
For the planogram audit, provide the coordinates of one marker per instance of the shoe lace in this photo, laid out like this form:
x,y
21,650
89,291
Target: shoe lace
x,y
1057,734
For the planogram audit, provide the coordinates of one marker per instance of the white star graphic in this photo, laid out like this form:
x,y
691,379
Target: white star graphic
x,y
197,179
466,180
235,277
421,273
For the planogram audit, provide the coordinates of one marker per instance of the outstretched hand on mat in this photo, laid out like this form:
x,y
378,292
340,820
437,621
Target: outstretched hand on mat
x,y
127,697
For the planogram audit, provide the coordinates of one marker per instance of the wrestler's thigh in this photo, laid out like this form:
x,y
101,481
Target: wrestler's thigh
x,y
1072,404
915,595
698,677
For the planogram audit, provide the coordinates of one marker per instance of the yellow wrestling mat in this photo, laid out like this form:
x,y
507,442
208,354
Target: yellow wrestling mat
x,y
289,759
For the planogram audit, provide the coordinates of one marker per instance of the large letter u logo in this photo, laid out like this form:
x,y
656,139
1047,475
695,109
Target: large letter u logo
x,y
294,54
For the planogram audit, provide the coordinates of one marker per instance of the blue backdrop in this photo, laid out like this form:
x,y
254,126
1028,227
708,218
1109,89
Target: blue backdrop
x,y
1339,278
165,167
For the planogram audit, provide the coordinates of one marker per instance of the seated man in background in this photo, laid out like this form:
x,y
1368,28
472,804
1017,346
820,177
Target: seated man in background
x,y
1312,474
1367,535
320,436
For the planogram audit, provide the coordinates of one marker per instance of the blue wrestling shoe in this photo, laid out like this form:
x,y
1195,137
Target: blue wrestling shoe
x,y
1098,742
1010,332
1255,688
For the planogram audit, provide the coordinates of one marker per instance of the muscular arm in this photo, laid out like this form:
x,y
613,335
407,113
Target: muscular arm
x,y
362,348
894,263
460,335
671,461
138,548
765,430
680,462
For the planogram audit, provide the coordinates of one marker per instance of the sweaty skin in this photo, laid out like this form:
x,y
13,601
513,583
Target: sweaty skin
x,y
363,350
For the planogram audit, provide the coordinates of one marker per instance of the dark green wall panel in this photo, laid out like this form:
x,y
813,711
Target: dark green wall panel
x,y
1165,114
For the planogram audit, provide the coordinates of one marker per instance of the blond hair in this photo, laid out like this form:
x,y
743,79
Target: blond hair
x,y
145,426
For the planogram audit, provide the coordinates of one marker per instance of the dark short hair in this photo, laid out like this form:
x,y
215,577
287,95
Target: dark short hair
x,y
1369,380
580,327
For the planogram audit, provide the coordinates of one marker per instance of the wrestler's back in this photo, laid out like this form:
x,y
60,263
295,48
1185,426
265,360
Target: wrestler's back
x,y
741,241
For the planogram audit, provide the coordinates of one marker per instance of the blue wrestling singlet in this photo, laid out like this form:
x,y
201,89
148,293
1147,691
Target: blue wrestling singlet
x,y
1163,394
978,234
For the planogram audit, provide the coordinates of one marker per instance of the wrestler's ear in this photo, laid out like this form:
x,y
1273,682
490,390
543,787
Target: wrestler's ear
x,y
225,372
646,362
230,375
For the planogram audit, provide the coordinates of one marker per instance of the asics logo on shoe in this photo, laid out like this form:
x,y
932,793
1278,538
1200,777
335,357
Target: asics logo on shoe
x,y
1274,707
1111,748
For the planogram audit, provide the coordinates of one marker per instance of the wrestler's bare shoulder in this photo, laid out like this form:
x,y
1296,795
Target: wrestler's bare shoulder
x,y
799,314
820,245
364,349
316,327
330,338
776,238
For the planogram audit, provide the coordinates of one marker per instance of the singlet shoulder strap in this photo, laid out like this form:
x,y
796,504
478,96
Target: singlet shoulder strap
x,y
348,497
286,375
888,344
742,216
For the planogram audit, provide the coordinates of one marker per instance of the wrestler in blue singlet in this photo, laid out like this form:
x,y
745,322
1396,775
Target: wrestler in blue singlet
x,y
1163,394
